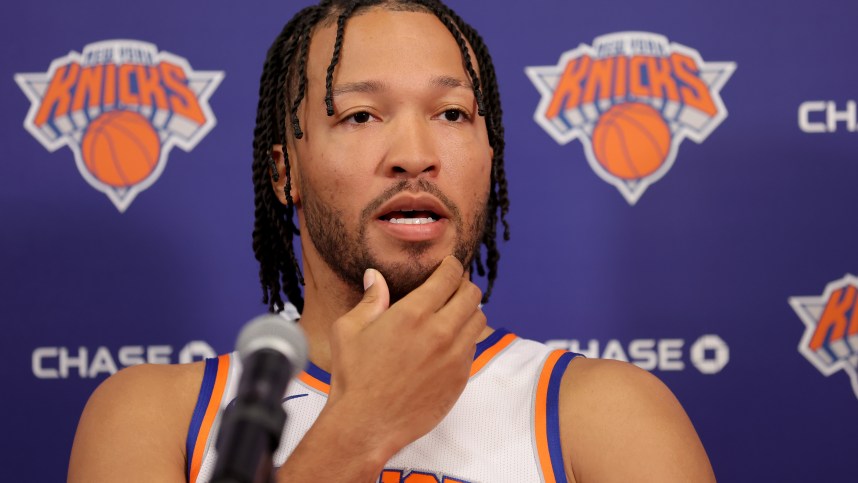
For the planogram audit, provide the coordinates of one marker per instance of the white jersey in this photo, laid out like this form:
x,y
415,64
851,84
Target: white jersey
x,y
503,428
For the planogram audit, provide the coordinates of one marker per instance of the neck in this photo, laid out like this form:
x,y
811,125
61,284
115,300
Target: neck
x,y
326,298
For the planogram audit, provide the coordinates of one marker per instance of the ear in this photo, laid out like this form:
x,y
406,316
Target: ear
x,y
279,185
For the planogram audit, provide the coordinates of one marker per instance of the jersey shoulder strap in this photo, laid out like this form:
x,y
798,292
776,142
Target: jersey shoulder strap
x,y
215,392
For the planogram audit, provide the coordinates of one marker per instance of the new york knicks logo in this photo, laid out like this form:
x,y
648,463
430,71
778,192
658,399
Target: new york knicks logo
x,y
120,106
631,99
830,340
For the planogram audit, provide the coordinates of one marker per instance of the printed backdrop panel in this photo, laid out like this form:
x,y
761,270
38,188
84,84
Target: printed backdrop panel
x,y
679,177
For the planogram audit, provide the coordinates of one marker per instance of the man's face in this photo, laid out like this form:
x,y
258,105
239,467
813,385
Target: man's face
x,y
398,178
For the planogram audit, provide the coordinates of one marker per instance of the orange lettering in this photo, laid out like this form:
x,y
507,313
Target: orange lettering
x,y
58,94
567,95
832,324
390,476
149,87
599,79
182,100
661,83
395,476
109,85
420,478
853,321
694,93
126,97
88,88
636,87
622,68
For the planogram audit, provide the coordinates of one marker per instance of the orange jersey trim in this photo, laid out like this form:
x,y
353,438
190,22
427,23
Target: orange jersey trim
x,y
211,414
491,352
314,383
540,417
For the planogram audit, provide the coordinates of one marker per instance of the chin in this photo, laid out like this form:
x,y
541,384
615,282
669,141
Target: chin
x,y
406,272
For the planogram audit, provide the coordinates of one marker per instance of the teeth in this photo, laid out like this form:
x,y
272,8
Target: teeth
x,y
411,221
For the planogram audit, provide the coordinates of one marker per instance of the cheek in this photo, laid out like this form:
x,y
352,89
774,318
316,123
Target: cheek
x,y
468,162
337,176
467,149
471,175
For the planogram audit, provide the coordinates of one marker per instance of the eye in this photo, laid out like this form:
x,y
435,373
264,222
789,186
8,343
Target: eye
x,y
359,117
455,115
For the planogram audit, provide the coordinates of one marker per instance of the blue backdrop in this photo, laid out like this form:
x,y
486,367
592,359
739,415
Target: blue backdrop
x,y
680,177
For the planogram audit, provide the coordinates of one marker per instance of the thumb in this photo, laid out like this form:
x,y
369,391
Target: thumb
x,y
376,297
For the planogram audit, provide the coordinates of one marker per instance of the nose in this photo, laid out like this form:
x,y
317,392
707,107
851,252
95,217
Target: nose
x,y
413,150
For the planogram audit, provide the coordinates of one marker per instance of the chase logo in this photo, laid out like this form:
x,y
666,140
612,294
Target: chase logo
x,y
830,340
631,99
120,106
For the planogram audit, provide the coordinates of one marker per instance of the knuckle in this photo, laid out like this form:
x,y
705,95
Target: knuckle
x,y
411,313
480,318
474,292
368,299
475,324
441,337
481,321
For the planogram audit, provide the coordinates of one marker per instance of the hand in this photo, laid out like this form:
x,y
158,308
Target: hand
x,y
398,370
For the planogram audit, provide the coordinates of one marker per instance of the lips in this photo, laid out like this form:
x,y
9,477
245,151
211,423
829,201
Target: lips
x,y
412,210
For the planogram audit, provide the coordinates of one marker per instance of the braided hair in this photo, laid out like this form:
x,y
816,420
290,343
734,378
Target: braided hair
x,y
281,90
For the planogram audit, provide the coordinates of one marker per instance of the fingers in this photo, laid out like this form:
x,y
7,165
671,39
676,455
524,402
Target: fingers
x,y
459,320
463,313
447,289
376,299
439,287
464,302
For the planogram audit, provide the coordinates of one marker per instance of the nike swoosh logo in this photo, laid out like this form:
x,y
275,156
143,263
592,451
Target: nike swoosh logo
x,y
232,403
294,397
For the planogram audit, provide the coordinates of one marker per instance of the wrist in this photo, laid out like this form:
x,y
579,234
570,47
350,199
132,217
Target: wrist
x,y
343,435
356,436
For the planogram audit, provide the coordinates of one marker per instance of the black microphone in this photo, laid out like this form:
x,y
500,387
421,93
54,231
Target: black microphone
x,y
272,350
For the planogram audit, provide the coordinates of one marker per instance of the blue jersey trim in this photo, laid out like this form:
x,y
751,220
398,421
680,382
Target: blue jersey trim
x,y
318,373
206,388
552,416
489,341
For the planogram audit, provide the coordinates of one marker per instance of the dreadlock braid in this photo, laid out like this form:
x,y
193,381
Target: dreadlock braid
x,y
338,44
284,74
273,227
443,14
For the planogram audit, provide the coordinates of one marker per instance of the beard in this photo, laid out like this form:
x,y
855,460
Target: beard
x,y
348,253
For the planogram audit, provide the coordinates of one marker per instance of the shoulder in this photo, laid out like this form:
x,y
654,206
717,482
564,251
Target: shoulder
x,y
620,423
135,424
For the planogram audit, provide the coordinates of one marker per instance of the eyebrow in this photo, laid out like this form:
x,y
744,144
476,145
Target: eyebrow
x,y
449,81
374,86
370,86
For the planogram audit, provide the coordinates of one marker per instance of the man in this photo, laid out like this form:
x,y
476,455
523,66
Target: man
x,y
380,125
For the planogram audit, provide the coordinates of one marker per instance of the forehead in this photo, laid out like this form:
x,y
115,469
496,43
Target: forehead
x,y
391,46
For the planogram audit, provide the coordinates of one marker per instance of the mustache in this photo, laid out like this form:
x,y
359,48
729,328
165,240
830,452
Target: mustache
x,y
413,186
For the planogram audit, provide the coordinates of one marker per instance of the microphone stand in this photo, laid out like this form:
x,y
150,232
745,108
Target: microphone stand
x,y
251,429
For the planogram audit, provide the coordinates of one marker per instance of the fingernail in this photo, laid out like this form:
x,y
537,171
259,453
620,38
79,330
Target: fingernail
x,y
368,278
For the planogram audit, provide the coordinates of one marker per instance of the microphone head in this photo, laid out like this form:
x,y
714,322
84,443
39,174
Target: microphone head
x,y
273,332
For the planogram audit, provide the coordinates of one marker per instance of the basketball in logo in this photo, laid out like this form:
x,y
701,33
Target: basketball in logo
x,y
631,98
631,140
120,148
121,106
